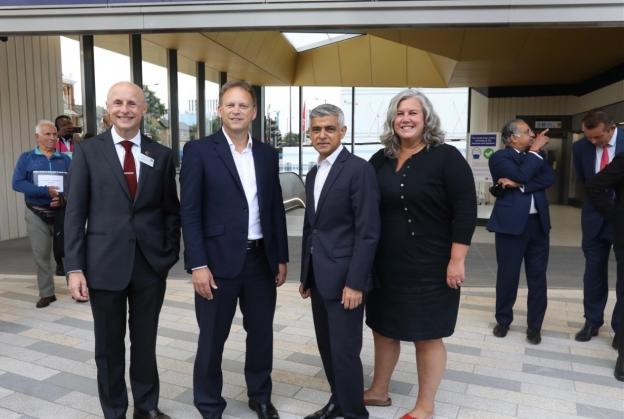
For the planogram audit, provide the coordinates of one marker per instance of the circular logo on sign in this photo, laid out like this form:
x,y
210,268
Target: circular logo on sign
x,y
487,153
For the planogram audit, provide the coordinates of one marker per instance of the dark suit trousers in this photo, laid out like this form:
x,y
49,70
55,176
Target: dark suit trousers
x,y
339,339
144,296
255,289
619,254
532,246
596,282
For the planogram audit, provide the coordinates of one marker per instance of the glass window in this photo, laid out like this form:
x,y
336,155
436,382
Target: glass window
x,y
155,86
212,102
187,101
109,52
72,80
281,113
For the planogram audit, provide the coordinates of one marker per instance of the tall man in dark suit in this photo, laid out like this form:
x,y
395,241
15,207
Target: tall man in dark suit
x,y
521,221
122,187
235,247
602,141
340,235
599,190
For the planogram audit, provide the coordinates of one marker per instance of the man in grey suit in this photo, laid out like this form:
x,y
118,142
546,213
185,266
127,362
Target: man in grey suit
x,y
122,187
340,233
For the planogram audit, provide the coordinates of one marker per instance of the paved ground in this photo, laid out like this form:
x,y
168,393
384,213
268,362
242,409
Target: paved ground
x,y
47,367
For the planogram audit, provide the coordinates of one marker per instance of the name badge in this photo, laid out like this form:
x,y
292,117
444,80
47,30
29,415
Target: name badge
x,y
146,160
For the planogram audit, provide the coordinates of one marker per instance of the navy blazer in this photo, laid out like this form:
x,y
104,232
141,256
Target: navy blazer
x,y
98,197
215,214
511,210
342,233
584,157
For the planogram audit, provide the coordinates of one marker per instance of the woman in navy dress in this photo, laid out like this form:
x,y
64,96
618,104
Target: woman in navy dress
x,y
428,216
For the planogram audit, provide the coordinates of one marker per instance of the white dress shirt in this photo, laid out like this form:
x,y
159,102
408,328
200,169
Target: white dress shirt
x,y
532,209
247,173
322,170
121,151
610,150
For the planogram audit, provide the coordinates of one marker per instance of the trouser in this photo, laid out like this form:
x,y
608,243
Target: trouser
x,y
532,246
254,289
59,237
144,296
40,236
596,283
619,254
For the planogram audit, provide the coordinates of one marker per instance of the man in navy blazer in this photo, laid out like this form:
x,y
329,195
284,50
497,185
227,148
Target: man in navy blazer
x,y
234,230
602,141
521,221
340,233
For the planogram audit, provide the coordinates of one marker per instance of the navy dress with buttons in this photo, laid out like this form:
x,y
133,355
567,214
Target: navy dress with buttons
x,y
425,206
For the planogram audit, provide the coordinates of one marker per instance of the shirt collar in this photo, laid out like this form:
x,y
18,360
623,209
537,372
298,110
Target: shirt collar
x,y
613,138
232,146
332,157
136,140
39,153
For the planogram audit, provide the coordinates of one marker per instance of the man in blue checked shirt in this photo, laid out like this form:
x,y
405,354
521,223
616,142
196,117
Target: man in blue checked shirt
x,y
38,175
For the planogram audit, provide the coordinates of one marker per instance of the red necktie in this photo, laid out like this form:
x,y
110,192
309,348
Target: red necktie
x,y
129,168
604,160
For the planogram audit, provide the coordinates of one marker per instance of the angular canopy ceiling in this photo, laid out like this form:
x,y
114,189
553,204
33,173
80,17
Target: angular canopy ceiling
x,y
423,57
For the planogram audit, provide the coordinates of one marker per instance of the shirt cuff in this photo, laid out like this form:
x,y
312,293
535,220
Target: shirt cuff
x,y
199,267
537,154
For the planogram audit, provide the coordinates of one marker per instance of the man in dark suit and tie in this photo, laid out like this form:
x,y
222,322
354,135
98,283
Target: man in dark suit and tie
x,y
340,235
599,190
602,141
234,229
521,221
122,235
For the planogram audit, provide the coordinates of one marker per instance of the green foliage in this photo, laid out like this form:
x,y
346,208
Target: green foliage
x,y
156,110
291,139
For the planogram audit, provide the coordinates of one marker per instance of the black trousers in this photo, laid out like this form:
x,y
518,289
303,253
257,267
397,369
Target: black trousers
x,y
142,299
619,255
254,289
339,338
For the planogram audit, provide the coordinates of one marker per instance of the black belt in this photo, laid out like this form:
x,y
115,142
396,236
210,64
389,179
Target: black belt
x,y
254,244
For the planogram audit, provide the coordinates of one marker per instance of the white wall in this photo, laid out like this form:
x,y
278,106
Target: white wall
x,y
30,89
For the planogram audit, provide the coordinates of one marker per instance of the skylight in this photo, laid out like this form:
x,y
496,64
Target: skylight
x,y
304,41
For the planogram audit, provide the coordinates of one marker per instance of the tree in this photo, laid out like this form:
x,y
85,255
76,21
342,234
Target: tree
x,y
156,110
272,134
291,139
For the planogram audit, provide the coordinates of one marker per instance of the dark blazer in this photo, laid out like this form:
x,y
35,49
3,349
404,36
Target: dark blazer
x,y
99,199
341,235
599,189
214,207
511,210
584,158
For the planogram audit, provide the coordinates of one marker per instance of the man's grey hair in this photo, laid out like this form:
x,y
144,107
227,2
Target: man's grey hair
x,y
42,123
509,129
328,109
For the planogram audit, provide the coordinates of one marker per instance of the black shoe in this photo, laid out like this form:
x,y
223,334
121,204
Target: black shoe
x,y
534,336
586,333
264,410
149,414
330,411
45,301
618,372
60,270
500,331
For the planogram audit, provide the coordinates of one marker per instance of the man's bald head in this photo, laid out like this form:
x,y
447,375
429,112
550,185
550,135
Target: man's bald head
x,y
126,105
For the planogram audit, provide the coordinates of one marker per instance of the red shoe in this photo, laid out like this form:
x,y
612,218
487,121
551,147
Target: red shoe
x,y
408,416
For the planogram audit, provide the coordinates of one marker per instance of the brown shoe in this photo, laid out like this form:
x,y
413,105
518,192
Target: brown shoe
x,y
45,301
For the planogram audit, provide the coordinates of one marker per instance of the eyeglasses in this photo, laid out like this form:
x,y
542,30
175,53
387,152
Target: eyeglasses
x,y
528,132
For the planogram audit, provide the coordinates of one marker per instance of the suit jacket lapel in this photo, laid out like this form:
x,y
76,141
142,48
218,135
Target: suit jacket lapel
x,y
334,171
147,148
110,155
258,159
619,141
225,154
310,178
